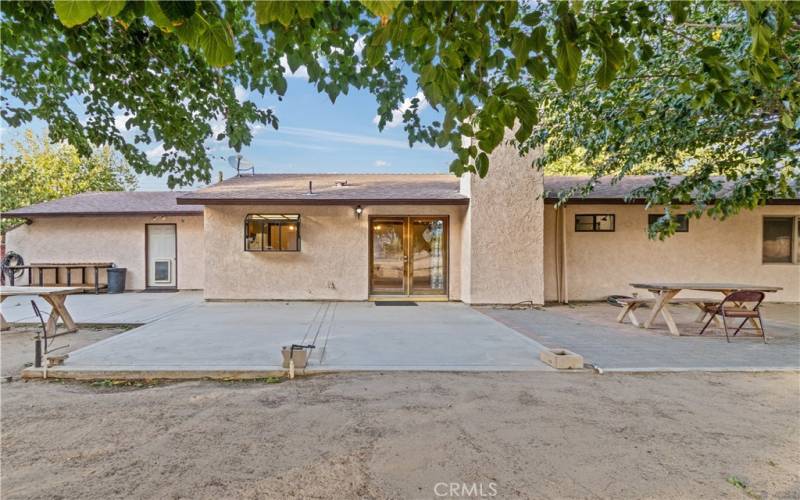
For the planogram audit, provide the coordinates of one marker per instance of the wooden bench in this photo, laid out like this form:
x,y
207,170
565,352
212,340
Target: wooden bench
x,y
56,267
630,305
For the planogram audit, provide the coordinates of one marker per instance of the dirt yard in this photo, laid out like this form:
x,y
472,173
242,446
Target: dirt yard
x,y
17,345
407,435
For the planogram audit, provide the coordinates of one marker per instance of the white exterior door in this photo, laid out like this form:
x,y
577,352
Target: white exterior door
x,y
162,259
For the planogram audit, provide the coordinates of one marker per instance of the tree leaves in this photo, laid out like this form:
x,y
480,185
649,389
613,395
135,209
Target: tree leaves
x,y
217,44
760,36
192,29
74,12
469,58
177,10
41,169
268,12
109,7
154,12
612,57
482,165
381,8
568,60
679,10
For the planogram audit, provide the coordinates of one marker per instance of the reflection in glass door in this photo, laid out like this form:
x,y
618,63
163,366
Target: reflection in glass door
x,y
408,256
428,256
388,256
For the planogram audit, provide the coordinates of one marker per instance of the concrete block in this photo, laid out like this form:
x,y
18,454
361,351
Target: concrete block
x,y
300,357
561,359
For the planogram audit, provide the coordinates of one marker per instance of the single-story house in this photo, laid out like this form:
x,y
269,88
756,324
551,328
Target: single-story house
x,y
497,240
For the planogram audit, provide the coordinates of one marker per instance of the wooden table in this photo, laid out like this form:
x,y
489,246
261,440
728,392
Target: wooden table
x,y
56,266
664,292
53,295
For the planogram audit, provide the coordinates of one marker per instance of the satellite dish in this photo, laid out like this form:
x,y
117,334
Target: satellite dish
x,y
239,163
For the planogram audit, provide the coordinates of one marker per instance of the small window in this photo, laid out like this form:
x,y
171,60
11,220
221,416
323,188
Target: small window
x,y
594,223
272,233
682,220
779,240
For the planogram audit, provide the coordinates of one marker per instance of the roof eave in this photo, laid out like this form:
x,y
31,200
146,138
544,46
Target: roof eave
x,y
642,201
32,215
322,201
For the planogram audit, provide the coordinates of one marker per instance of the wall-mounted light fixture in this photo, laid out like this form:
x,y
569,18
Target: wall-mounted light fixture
x,y
359,211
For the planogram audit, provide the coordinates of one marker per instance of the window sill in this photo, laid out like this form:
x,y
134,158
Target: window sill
x,y
272,251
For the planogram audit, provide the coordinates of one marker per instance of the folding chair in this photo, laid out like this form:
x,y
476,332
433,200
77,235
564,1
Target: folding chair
x,y
737,309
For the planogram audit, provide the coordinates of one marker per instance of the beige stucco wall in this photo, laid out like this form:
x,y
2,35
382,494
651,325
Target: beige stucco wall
x,y
601,264
333,262
109,239
502,238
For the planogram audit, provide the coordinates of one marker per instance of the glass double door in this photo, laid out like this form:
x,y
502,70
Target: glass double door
x,y
408,256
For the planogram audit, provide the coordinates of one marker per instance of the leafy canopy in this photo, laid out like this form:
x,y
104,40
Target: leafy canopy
x,y
587,71
41,170
709,99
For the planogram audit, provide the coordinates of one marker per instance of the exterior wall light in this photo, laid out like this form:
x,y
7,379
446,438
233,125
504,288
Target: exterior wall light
x,y
359,211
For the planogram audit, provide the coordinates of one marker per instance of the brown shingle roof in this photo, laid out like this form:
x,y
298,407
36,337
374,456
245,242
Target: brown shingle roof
x,y
376,189
110,203
607,192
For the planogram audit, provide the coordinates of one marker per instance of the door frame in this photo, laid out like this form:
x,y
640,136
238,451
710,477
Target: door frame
x,y
408,291
147,285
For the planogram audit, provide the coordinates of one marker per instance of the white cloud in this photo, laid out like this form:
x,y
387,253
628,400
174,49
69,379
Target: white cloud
x,y
397,114
381,163
291,144
241,93
119,122
217,127
154,154
358,47
327,135
302,71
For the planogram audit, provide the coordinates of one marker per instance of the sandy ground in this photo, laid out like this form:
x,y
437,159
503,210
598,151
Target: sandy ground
x,y
398,435
17,348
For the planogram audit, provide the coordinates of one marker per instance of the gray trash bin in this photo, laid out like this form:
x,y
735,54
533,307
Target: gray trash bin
x,y
116,279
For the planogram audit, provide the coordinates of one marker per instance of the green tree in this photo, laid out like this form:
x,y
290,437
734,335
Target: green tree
x,y
664,114
172,67
41,170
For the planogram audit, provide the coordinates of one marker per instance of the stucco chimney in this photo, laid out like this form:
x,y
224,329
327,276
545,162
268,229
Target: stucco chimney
x,y
503,232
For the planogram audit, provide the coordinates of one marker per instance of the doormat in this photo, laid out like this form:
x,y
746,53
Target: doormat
x,y
395,303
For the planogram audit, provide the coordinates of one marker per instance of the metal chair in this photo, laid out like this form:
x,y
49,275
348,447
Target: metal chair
x,y
737,309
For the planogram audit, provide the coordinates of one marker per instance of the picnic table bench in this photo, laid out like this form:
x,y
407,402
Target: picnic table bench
x,y
56,266
55,296
664,295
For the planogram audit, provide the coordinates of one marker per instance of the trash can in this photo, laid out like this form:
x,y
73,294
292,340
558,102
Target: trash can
x,y
116,279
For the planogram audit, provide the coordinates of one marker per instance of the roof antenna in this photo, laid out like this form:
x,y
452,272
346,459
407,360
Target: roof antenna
x,y
310,188
241,165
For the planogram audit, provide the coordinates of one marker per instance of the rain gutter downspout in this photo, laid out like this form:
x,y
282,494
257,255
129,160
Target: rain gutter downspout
x,y
564,287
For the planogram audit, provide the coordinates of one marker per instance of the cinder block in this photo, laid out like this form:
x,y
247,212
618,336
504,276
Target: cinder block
x,y
561,359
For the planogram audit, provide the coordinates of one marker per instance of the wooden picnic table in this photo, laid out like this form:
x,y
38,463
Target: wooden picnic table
x,y
664,294
55,266
53,295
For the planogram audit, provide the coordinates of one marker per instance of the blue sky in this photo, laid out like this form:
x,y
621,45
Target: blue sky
x,y
318,136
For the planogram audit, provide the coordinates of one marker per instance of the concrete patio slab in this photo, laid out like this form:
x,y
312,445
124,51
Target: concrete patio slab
x,y
110,309
231,339
590,330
